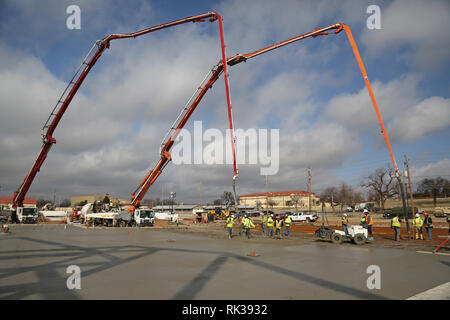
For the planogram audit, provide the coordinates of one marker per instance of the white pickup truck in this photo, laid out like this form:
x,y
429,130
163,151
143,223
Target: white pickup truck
x,y
302,216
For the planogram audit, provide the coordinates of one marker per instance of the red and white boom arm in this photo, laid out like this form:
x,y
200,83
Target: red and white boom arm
x,y
75,83
151,177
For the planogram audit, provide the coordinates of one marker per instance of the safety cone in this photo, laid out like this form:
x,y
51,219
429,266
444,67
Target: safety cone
x,y
170,240
253,254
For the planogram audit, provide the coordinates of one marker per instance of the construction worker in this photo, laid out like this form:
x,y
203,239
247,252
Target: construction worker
x,y
369,223
242,224
270,226
428,223
395,223
345,223
263,224
418,224
247,225
287,226
230,223
278,224
448,221
363,220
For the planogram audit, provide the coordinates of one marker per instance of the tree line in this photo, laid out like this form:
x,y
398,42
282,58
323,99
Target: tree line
x,y
381,185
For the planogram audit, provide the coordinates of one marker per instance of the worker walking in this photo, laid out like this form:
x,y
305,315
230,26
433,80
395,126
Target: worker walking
x,y
287,226
418,224
278,224
242,225
230,223
270,226
369,223
428,223
247,225
345,223
395,223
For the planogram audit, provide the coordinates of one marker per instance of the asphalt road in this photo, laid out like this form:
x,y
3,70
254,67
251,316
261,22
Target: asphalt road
x,y
132,263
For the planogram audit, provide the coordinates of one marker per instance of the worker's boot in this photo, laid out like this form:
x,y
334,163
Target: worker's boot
x,y
417,236
421,236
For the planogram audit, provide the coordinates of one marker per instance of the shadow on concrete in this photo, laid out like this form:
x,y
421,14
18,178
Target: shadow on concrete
x,y
53,286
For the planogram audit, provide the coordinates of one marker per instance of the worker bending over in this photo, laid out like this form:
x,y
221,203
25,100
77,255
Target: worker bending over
x,y
418,224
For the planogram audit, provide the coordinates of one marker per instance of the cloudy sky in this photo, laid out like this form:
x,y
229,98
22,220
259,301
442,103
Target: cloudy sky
x,y
312,91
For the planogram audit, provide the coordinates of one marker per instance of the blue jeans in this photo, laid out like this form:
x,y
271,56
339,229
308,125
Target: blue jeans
x,y
247,232
429,231
263,229
344,227
397,233
230,230
288,229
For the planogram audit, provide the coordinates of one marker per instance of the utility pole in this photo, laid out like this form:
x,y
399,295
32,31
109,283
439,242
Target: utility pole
x,y
332,202
309,188
410,185
201,199
267,195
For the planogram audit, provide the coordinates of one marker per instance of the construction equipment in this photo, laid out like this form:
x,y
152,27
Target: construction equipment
x,y
207,83
75,83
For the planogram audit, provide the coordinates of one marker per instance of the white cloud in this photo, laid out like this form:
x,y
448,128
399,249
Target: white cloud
x,y
428,116
439,168
355,110
419,25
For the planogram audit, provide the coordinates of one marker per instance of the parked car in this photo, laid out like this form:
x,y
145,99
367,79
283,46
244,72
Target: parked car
x,y
392,212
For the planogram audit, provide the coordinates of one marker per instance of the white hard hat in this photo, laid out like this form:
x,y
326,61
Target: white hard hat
x,y
417,214
365,210
345,214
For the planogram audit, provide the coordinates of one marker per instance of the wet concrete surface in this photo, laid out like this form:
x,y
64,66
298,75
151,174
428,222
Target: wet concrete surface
x,y
133,263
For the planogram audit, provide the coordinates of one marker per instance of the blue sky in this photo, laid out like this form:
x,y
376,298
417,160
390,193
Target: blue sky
x,y
312,91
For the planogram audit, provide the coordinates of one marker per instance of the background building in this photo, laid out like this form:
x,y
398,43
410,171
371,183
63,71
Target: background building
x,y
76,200
7,202
282,200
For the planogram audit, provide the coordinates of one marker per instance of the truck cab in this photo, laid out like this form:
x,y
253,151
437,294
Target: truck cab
x,y
144,217
27,215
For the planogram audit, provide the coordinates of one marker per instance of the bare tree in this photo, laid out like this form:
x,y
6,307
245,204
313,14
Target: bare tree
x,y
381,185
295,199
272,203
434,187
227,198
258,205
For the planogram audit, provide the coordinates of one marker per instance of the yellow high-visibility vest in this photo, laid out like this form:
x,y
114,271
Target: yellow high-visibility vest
x,y
270,222
287,221
264,220
230,222
395,222
418,222
278,224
